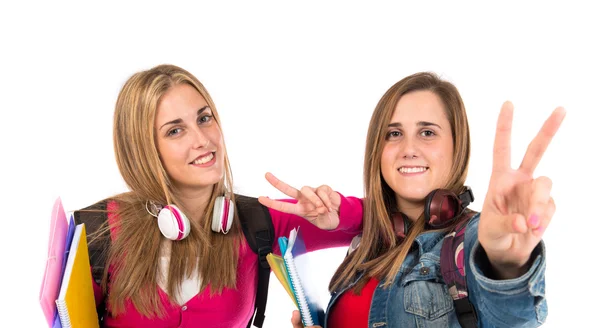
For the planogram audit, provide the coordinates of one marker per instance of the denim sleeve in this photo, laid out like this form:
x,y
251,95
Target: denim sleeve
x,y
518,302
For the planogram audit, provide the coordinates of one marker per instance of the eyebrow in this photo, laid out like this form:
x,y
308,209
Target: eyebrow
x,y
178,121
420,123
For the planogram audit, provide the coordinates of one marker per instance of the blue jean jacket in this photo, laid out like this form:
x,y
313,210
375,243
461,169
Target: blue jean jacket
x,y
419,298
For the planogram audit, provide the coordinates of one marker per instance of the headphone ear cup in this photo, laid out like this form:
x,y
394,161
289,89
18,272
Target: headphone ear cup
x,y
401,225
229,216
428,201
172,223
217,214
222,215
441,207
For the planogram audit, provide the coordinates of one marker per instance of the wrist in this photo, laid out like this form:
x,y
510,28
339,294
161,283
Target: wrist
x,y
503,271
500,268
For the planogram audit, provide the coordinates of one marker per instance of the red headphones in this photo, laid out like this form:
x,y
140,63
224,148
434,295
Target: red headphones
x,y
442,207
174,225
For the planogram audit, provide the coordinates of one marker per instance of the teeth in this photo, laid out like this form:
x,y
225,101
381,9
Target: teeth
x,y
412,169
204,159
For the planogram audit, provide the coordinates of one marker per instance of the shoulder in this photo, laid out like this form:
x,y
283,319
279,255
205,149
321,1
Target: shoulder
x,y
243,198
249,208
472,223
256,222
93,216
100,215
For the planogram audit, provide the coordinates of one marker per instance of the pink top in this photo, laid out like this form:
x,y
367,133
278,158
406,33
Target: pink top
x,y
234,307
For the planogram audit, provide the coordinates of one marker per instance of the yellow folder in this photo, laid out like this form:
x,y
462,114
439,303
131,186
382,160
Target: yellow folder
x,y
76,304
278,267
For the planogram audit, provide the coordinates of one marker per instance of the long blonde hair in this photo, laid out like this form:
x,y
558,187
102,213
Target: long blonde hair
x,y
381,255
135,251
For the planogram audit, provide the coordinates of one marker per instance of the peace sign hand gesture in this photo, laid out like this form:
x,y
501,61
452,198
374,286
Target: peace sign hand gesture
x,y
517,208
320,206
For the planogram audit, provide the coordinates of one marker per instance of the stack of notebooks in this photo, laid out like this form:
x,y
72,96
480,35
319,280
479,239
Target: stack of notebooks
x,y
66,294
294,273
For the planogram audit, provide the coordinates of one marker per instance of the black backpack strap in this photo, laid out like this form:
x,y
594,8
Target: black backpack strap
x,y
95,217
454,272
259,232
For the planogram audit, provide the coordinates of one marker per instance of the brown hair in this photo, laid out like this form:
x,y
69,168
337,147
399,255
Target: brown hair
x,y
381,255
134,254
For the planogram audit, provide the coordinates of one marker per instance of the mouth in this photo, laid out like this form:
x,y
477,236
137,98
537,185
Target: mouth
x,y
413,169
203,159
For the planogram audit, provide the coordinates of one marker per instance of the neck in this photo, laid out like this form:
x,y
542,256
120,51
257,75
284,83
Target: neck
x,y
194,202
411,209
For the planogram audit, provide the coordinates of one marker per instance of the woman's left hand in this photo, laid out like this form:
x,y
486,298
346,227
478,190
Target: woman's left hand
x,y
297,321
320,206
518,207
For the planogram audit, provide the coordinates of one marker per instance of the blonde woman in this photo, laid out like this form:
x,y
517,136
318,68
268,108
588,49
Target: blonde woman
x,y
173,245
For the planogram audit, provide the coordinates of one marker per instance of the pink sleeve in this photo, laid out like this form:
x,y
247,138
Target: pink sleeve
x,y
351,211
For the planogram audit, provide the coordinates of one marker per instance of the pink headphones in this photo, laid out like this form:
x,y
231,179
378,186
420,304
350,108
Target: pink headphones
x,y
174,225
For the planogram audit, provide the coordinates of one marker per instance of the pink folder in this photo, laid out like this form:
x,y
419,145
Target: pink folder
x,y
56,253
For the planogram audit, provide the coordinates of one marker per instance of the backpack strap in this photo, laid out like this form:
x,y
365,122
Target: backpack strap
x,y
94,217
259,232
452,263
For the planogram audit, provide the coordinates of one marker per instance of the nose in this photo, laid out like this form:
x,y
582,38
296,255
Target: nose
x,y
200,139
409,148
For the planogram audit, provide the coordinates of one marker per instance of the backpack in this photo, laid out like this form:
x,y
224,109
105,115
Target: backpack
x,y
452,264
256,224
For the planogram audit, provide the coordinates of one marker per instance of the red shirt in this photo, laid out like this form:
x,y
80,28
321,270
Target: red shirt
x,y
352,310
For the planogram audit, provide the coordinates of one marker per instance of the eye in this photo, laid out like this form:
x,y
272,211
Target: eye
x,y
393,134
174,132
427,133
204,119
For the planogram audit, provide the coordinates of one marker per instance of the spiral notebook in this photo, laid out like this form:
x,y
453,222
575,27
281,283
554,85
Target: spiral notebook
x,y
293,271
76,303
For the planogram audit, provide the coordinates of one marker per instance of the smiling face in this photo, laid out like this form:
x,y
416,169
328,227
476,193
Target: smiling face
x,y
188,138
418,149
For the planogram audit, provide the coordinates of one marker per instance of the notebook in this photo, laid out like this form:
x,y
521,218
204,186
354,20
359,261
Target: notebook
x,y
54,263
293,271
70,234
75,303
69,239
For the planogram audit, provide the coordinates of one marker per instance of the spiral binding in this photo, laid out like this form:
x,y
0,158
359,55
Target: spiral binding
x,y
299,292
63,314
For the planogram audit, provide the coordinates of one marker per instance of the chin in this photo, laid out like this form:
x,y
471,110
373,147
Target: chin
x,y
208,181
413,196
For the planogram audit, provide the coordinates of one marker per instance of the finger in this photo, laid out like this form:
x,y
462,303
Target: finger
x,y
312,197
546,218
540,196
296,321
323,192
501,159
540,143
499,226
277,205
516,223
282,186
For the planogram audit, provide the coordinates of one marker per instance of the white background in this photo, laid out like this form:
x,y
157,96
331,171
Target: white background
x,y
295,85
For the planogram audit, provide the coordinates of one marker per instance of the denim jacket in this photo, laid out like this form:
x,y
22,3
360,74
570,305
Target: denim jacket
x,y
418,296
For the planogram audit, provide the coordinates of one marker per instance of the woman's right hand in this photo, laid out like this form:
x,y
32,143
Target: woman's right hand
x,y
297,321
320,206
